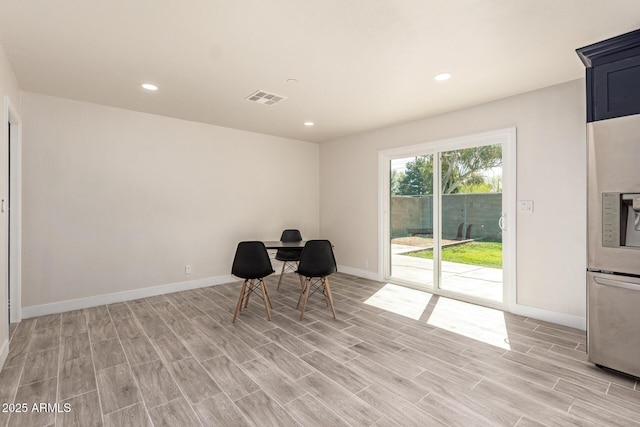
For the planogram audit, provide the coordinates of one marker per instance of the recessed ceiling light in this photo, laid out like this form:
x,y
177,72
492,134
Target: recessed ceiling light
x,y
442,77
149,86
309,123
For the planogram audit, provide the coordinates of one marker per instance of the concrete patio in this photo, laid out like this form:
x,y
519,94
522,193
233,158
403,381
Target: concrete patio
x,y
479,282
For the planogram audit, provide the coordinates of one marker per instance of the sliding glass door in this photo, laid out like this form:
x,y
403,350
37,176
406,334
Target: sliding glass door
x,y
444,217
411,202
471,210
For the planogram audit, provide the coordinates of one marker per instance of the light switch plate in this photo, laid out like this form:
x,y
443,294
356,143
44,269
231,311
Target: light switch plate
x,y
525,206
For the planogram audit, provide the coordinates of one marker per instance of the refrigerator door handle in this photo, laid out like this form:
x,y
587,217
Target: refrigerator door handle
x,y
616,283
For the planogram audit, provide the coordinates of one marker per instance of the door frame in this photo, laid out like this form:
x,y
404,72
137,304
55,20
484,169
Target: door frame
x,y
506,137
13,246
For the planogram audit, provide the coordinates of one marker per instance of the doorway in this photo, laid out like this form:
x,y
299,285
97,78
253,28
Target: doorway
x,y
444,217
7,207
10,207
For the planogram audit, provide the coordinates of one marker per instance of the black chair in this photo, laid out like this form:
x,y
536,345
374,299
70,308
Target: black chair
x,y
316,262
289,257
252,263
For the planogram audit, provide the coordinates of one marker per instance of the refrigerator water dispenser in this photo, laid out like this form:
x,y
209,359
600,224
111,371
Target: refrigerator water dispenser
x,y
631,226
621,220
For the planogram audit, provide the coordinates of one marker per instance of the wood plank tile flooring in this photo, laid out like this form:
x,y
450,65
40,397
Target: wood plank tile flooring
x,y
177,360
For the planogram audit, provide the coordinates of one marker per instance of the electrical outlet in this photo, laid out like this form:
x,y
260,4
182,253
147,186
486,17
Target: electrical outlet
x,y
187,269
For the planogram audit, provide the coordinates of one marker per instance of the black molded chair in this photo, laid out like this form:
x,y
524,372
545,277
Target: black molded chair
x,y
289,257
316,262
252,263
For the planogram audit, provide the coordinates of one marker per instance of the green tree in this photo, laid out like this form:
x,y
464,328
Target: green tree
x,y
465,166
482,187
396,177
496,184
459,168
418,177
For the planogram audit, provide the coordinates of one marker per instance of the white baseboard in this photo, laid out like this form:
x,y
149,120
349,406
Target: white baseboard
x,y
360,273
577,322
569,320
4,352
62,306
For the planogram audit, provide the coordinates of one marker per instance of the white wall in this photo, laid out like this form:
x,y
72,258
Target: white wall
x,y
551,162
116,201
8,88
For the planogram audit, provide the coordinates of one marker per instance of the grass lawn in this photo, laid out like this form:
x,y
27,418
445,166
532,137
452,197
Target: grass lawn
x,y
484,254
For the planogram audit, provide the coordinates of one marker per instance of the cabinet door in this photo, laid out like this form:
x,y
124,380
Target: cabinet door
x,y
616,88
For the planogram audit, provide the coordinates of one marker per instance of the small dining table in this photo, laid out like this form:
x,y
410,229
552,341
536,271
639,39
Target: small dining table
x,y
278,244
290,246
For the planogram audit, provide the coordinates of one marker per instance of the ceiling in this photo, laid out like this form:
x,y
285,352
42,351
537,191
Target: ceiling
x,y
359,64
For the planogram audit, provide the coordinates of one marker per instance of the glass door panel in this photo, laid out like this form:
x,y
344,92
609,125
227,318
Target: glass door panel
x,y
447,217
470,212
411,214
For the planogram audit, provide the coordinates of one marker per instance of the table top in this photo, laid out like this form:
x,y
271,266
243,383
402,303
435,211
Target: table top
x,y
277,244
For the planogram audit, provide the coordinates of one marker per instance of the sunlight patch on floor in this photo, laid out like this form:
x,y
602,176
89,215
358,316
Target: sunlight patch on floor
x,y
472,321
400,300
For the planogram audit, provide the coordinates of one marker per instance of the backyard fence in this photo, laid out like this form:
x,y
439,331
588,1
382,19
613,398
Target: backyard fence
x,y
478,212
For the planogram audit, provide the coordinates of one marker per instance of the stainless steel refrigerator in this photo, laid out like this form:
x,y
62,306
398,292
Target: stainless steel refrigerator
x,y
613,253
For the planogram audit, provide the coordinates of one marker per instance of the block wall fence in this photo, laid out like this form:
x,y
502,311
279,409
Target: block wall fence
x,y
481,211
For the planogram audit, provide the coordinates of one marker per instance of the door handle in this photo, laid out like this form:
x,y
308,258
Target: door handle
x,y
502,222
617,283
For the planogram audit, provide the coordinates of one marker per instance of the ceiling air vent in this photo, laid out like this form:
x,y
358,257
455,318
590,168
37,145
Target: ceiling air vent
x,y
266,98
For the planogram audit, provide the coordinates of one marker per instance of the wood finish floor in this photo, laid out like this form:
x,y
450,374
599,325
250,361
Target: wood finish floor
x,y
177,360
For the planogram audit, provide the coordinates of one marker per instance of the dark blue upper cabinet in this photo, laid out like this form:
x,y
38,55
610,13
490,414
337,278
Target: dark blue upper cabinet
x,y
613,77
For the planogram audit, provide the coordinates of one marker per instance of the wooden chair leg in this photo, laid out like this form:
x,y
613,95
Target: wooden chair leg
x,y
240,298
265,296
307,289
246,300
268,297
301,292
327,289
284,264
